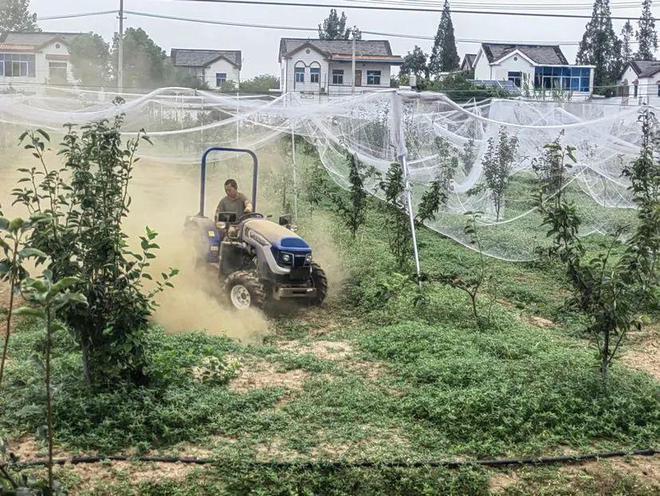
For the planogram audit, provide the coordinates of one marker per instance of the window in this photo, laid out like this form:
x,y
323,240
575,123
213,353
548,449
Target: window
x,y
17,65
300,74
563,78
658,89
220,78
515,78
315,74
635,90
57,72
2,67
337,76
373,77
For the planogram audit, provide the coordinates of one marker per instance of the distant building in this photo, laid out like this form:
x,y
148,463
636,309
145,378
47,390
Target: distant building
x,y
640,82
468,62
325,66
36,58
535,69
214,67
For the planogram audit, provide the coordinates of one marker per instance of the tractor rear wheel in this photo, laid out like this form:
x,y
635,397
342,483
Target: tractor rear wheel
x,y
320,282
244,290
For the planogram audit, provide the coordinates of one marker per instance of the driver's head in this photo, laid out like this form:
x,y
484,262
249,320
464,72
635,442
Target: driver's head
x,y
231,188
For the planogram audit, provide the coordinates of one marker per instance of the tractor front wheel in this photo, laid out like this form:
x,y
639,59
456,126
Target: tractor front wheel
x,y
244,290
320,282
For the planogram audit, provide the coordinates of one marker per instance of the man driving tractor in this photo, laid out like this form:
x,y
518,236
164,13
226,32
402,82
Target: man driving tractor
x,y
234,202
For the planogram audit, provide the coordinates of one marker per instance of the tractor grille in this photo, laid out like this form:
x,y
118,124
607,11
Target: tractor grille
x,y
299,274
299,261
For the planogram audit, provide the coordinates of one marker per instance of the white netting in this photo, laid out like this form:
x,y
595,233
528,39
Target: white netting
x,y
429,128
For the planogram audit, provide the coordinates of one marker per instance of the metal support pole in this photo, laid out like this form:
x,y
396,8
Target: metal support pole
x,y
402,154
353,63
120,61
411,215
295,174
238,94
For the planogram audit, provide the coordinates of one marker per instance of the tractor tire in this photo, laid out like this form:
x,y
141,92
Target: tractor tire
x,y
244,290
320,282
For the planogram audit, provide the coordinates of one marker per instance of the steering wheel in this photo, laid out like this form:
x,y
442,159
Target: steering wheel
x,y
251,215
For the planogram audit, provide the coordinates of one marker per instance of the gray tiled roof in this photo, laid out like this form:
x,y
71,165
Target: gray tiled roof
x,y
187,57
374,48
469,59
645,68
36,39
541,54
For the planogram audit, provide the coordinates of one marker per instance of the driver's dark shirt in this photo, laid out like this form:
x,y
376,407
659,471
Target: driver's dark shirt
x,y
235,205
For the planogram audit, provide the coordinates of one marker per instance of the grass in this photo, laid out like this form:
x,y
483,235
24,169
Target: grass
x,y
415,382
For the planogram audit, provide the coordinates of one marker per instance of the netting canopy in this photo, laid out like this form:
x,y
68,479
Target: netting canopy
x,y
429,131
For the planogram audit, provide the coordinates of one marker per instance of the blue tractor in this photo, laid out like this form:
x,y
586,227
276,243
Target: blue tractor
x,y
258,261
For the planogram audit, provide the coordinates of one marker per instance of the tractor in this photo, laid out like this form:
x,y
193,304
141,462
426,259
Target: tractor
x,y
258,261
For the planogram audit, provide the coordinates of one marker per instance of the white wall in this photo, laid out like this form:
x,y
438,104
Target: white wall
x,y
647,88
305,57
500,72
302,57
41,67
221,65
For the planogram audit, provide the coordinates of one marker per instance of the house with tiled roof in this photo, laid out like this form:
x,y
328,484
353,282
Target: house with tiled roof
x,y
316,66
537,69
468,62
640,81
214,67
35,58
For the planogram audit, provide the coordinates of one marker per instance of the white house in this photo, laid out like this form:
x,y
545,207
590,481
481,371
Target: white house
x,y
214,67
325,66
533,68
468,62
640,82
35,59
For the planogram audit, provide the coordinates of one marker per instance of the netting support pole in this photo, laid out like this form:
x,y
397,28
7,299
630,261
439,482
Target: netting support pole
x,y
411,215
295,173
402,153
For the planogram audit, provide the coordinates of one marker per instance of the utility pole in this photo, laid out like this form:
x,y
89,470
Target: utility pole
x,y
120,61
353,61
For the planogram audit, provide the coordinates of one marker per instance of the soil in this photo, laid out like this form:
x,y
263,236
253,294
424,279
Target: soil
x,y
643,352
261,374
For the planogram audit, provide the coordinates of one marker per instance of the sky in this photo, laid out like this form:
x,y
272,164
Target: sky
x,y
260,46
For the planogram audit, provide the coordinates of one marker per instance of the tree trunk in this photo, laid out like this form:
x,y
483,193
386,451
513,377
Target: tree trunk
x,y
605,359
12,285
49,401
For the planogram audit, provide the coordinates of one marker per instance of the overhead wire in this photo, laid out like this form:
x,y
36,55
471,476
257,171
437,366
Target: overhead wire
x,y
301,28
401,8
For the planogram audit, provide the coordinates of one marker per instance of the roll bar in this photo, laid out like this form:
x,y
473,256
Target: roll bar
x,y
255,174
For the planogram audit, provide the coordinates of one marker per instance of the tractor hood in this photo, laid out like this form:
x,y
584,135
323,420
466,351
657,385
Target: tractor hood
x,y
277,236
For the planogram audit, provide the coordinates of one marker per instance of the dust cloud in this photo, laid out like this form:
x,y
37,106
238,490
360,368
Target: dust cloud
x,y
163,194
162,198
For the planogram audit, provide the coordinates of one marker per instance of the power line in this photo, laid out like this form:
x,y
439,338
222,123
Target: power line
x,y
299,28
72,16
403,9
500,6
315,29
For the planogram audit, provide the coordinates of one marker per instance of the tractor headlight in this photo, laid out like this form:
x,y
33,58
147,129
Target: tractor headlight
x,y
287,258
308,259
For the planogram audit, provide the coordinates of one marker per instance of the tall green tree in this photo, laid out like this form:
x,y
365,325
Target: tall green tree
x,y
646,34
444,56
146,65
626,42
601,47
334,28
144,61
90,59
415,63
15,16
